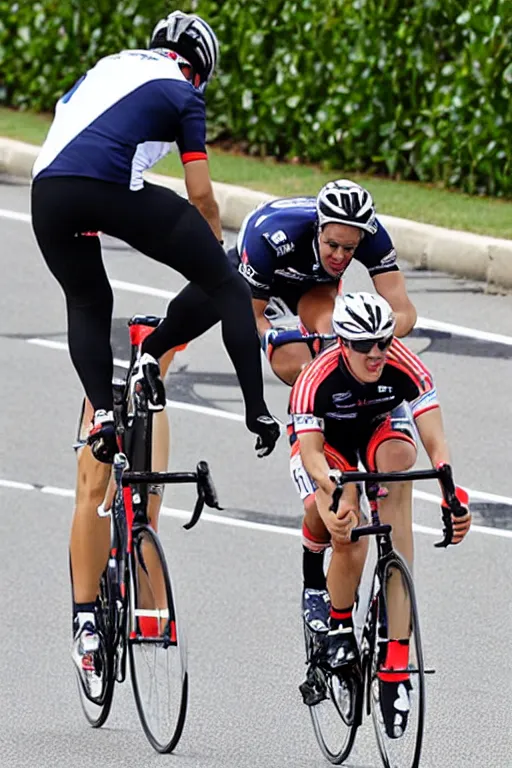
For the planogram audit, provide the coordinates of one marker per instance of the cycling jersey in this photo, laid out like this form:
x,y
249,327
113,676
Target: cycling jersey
x,y
327,398
121,117
277,244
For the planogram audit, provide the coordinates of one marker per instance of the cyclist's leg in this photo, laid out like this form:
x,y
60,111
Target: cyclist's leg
x,y
392,448
314,308
191,247
347,560
58,218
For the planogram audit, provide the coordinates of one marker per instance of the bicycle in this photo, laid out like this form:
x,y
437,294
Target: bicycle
x,y
342,697
136,608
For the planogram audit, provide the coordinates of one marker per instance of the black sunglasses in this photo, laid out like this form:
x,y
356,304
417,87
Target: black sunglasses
x,y
363,347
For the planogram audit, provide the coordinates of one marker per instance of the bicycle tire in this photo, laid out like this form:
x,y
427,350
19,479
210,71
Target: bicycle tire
x,y
405,751
328,711
97,714
157,645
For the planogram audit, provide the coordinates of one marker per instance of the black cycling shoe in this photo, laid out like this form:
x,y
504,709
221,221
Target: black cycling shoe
x,y
102,437
395,706
340,648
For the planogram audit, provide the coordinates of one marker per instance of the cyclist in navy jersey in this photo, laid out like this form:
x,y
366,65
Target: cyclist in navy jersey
x,y
118,120
293,252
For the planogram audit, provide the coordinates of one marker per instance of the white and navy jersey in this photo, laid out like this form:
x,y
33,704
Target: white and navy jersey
x,y
123,116
277,241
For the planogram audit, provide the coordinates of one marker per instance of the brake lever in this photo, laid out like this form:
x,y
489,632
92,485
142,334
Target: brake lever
x,y
206,494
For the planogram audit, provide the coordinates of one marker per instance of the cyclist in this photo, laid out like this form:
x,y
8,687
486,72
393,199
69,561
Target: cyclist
x,y
117,121
293,252
360,401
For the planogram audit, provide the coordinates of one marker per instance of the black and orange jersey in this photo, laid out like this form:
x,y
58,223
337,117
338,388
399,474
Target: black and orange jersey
x,y
327,398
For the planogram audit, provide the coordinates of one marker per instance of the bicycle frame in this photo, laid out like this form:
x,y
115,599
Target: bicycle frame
x,y
131,495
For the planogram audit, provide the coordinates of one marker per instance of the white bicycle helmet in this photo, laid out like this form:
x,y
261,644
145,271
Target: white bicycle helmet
x,y
345,202
191,37
362,317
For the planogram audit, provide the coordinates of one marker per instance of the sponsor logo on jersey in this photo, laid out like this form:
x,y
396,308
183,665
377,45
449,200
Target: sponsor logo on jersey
x,y
250,275
382,388
340,397
279,237
388,259
284,249
303,422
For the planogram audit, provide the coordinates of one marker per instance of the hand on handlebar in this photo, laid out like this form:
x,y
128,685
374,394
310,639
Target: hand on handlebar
x,y
456,515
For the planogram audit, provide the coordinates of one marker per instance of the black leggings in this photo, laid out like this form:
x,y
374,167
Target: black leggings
x,y
165,227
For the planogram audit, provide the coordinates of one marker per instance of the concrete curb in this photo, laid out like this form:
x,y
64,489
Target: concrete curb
x,y
425,246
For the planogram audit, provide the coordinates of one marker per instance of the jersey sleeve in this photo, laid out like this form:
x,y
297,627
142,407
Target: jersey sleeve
x,y
191,136
305,399
377,252
419,387
257,261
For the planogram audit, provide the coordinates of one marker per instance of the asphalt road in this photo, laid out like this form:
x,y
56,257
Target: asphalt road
x,y
239,587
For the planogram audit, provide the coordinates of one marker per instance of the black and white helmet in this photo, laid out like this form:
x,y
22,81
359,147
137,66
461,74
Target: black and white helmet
x,y
362,316
191,37
345,202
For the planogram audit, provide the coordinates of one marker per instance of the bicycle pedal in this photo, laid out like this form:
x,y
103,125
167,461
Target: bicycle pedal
x,y
311,694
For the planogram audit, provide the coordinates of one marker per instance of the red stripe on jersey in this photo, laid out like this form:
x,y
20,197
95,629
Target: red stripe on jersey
x,y
401,357
190,157
302,398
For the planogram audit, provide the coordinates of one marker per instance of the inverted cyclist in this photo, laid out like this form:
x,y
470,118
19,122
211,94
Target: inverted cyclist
x,y
116,122
293,252
362,400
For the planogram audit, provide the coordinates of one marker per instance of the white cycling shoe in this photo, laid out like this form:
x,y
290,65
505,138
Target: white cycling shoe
x,y
88,657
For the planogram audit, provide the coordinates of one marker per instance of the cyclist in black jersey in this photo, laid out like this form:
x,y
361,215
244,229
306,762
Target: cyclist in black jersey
x,y
363,400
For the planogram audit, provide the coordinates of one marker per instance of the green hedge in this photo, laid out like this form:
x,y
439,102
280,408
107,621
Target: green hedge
x,y
417,89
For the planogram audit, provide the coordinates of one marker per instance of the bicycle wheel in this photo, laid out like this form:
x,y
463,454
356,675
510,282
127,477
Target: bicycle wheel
x,y
396,617
335,707
96,714
156,646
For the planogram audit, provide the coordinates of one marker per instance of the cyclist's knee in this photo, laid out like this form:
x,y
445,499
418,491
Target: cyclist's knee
x,y
288,362
395,456
92,479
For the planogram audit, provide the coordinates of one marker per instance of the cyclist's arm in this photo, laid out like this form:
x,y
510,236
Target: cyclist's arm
x,y
262,323
313,458
200,193
391,286
431,431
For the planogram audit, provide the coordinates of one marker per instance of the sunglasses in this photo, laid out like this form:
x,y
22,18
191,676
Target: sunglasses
x,y
364,347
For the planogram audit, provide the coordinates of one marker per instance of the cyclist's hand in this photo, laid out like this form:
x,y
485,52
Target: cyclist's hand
x,y
457,520
268,431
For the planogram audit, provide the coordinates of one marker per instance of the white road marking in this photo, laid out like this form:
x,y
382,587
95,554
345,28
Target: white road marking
x,y
235,522
177,404
422,322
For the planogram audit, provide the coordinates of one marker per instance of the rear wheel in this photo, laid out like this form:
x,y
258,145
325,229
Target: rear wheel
x,y
396,616
334,703
156,645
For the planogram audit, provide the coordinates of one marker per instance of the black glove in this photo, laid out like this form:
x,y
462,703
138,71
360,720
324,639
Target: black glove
x,y
268,431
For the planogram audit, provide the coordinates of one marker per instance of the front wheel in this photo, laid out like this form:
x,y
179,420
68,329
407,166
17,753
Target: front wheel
x,y
396,674
334,701
157,652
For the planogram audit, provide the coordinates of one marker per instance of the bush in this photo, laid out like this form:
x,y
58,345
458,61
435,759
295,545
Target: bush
x,y
417,89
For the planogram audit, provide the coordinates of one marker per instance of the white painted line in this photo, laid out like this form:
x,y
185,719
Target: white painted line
x,y
462,330
176,404
16,485
15,215
234,522
422,322
146,290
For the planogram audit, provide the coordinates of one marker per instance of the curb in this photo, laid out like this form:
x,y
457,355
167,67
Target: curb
x,y
426,247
